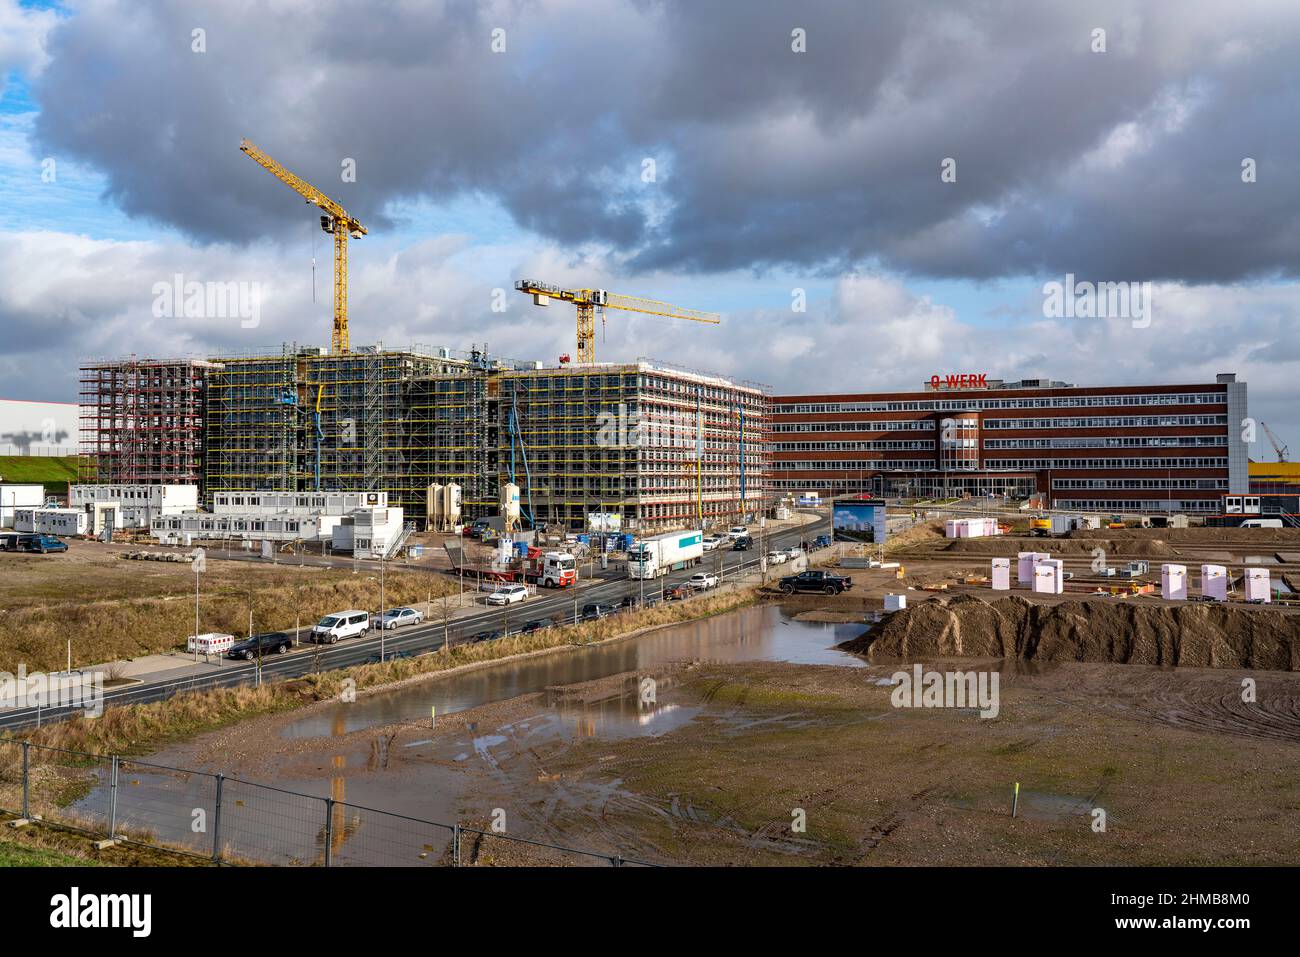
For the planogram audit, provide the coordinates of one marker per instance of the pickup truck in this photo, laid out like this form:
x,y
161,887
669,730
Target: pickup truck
x,y
815,581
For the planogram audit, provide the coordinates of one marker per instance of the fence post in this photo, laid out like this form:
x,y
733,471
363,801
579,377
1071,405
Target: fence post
x,y
112,801
455,844
27,790
216,820
329,832
617,860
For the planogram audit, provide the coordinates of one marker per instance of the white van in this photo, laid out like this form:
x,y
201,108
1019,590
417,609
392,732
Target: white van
x,y
1262,523
343,624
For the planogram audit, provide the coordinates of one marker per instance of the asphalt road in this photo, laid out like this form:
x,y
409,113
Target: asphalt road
x,y
425,637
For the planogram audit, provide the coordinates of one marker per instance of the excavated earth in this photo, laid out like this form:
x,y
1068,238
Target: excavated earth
x,y
1193,635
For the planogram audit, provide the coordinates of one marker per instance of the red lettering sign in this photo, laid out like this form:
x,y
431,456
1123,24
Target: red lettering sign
x,y
963,380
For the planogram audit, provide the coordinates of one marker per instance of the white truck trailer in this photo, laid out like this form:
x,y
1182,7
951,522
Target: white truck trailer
x,y
657,556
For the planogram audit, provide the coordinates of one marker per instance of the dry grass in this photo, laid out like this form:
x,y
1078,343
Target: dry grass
x,y
113,608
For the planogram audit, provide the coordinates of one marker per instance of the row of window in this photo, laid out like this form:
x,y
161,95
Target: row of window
x,y
1019,402
1110,442
1139,483
1139,505
1104,421
878,425
998,465
881,445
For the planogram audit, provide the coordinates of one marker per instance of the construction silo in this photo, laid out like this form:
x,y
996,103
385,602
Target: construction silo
x,y
510,505
434,507
451,504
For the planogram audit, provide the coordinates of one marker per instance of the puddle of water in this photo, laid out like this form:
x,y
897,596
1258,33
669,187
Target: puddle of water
x,y
752,634
1047,807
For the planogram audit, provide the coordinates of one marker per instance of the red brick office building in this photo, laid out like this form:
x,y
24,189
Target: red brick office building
x,y
1156,448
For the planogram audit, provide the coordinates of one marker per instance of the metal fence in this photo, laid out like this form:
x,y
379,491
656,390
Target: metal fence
x,y
233,821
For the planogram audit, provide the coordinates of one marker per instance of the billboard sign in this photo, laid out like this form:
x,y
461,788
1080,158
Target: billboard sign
x,y
859,520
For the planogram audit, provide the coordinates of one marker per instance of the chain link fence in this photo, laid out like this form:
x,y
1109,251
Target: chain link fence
x,y
233,821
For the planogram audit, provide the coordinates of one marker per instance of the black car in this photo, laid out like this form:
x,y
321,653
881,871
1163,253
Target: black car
x,y
272,641
600,610
537,624
743,544
826,583
486,636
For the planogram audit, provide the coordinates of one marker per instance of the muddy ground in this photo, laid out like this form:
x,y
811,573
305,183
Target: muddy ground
x,y
1185,771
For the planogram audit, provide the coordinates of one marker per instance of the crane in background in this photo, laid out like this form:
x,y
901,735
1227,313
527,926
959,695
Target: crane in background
x,y
589,301
337,222
1282,451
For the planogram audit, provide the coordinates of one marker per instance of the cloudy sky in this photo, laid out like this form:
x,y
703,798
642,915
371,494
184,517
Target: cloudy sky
x,y
869,193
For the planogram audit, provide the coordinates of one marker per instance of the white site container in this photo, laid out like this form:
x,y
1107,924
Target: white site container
x,y
1025,562
1001,574
1214,582
212,643
1258,587
950,528
895,602
1173,582
1049,576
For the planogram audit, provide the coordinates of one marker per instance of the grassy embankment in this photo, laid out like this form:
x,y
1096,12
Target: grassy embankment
x,y
52,471
113,608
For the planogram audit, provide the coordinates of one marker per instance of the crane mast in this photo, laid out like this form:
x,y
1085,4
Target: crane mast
x,y
336,221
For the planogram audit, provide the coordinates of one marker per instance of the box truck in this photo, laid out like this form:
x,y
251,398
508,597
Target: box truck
x,y
657,556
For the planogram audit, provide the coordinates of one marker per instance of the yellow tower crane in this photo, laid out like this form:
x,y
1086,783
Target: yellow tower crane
x,y
337,222
589,300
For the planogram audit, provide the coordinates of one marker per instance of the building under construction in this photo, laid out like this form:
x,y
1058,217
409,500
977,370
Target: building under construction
x,y
142,420
657,446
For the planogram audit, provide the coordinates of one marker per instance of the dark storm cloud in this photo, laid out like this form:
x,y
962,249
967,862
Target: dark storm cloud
x,y
1124,164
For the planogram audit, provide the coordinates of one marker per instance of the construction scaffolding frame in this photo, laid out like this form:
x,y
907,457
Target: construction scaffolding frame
x,y
142,420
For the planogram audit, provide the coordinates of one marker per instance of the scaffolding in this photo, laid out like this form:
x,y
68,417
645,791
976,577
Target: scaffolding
x,y
142,421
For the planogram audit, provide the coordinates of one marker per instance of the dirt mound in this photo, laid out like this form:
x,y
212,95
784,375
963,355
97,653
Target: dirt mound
x,y
1263,537
1009,547
1193,635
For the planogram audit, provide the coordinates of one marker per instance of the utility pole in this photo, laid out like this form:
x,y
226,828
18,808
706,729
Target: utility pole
x,y
381,606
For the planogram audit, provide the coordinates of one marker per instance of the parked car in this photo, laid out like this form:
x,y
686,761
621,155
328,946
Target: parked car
x,y
825,582
742,544
343,624
397,617
264,644
490,635
42,544
508,595
702,581
537,624
679,592
598,610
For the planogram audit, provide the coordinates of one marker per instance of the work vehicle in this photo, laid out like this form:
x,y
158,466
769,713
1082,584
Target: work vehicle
x,y
550,570
742,544
343,624
41,543
263,644
490,635
508,595
1255,523
598,610
827,583
704,581
657,556
397,617
679,592
212,643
